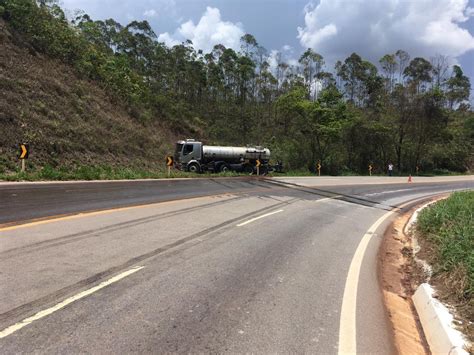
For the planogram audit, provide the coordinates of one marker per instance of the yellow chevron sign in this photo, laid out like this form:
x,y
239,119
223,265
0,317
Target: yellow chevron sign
x,y
258,163
24,151
169,160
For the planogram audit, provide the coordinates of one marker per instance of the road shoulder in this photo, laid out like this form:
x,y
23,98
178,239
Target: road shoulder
x,y
398,281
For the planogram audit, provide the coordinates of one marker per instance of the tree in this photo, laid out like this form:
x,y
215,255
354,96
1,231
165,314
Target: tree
x,y
312,64
403,58
248,44
304,112
362,82
440,65
458,87
389,66
418,72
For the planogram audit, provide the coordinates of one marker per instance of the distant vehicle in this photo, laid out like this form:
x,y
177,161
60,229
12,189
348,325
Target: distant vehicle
x,y
191,155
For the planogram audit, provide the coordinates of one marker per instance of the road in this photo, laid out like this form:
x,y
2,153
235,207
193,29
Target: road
x,y
231,265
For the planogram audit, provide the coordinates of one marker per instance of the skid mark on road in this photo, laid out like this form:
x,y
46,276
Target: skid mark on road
x,y
387,192
46,312
354,199
108,229
51,219
64,292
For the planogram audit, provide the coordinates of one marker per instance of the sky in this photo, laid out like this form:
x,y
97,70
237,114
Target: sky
x,y
333,28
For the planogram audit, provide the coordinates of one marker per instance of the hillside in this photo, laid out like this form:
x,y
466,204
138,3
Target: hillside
x,y
68,121
87,92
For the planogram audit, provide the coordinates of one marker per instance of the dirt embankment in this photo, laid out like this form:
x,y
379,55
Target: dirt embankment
x,y
68,121
399,279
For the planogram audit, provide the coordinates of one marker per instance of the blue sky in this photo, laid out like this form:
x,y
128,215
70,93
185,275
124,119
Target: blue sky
x,y
333,28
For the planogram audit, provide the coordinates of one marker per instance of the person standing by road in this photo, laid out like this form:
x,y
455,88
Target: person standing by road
x,y
390,169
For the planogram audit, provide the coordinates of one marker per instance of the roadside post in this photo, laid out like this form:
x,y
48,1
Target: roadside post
x,y
257,164
169,164
319,167
370,169
24,153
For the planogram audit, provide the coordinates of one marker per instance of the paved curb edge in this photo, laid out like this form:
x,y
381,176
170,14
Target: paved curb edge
x,y
436,322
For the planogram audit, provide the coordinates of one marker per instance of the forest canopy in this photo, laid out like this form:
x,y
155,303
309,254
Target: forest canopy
x,y
414,112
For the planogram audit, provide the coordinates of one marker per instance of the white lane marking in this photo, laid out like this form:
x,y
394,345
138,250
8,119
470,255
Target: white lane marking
x,y
13,328
347,322
256,218
269,214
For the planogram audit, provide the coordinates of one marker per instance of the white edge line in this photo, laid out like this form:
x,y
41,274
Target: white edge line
x,y
256,218
347,323
13,328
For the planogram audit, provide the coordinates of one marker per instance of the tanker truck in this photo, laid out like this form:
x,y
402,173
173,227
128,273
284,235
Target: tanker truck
x,y
191,155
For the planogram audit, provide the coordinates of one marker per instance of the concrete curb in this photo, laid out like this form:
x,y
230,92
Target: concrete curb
x,y
436,322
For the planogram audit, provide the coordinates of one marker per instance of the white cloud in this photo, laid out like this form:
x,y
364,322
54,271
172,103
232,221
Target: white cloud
x,y
123,10
150,13
273,60
166,38
372,28
286,54
209,31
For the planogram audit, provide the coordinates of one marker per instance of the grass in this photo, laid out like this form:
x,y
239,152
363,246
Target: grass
x,y
448,226
106,172
102,172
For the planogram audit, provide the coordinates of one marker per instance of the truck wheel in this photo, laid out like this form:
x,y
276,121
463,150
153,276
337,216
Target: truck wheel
x,y
248,169
224,168
194,168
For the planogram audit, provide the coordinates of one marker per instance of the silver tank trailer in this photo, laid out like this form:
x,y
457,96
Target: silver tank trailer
x,y
235,153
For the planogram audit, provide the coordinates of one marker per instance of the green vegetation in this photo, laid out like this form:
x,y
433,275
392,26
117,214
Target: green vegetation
x,y
103,172
449,227
412,112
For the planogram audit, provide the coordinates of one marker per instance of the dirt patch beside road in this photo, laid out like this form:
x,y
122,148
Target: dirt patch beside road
x,y
400,275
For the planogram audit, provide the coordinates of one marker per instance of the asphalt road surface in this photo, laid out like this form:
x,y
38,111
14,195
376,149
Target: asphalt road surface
x,y
199,266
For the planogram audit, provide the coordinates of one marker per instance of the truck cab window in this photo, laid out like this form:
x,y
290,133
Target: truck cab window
x,y
179,147
188,148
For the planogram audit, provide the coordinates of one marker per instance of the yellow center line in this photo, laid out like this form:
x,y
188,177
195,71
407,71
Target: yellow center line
x,y
96,213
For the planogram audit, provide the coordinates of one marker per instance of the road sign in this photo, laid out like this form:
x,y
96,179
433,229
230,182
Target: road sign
x,y
169,164
319,167
257,164
24,151
370,169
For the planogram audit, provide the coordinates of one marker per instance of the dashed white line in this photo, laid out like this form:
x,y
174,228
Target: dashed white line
x,y
257,218
13,328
